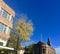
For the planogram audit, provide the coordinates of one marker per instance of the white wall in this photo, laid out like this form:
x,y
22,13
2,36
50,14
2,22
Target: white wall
x,y
3,41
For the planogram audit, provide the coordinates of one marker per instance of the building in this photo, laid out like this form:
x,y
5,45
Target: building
x,y
6,20
42,48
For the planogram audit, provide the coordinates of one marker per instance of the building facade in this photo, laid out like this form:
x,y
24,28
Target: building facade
x,y
6,20
42,48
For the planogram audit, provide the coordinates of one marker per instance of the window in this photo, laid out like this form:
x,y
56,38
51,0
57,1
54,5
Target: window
x,y
1,44
3,28
5,14
44,51
11,19
8,30
0,12
8,16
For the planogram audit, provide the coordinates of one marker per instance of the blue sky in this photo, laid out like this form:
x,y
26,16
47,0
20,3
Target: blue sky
x,y
45,15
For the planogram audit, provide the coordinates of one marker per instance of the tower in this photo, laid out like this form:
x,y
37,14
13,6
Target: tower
x,y
48,42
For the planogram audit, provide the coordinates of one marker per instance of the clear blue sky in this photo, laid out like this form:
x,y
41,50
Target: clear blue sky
x,y
45,15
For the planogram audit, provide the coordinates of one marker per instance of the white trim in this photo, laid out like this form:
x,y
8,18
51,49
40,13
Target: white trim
x,y
7,48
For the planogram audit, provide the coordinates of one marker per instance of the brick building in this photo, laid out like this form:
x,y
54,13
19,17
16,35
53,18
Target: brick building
x,y
42,48
6,20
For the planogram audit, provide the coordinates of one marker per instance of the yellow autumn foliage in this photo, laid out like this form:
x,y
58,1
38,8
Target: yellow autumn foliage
x,y
24,29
